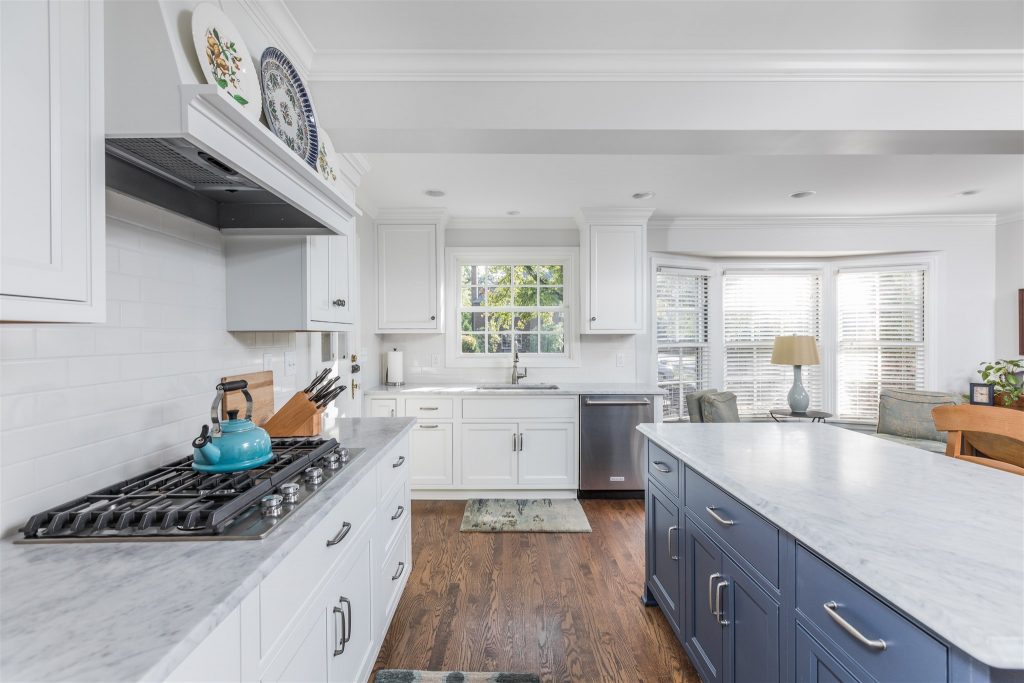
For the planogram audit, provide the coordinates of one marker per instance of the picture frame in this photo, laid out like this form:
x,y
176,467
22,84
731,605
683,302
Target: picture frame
x,y
982,394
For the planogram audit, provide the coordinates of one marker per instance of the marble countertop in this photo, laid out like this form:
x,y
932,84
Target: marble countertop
x,y
564,389
942,540
134,611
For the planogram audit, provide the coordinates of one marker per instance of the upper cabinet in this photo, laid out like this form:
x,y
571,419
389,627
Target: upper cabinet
x,y
613,243
52,217
409,272
290,283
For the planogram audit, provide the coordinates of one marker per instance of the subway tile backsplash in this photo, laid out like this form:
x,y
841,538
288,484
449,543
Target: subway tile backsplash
x,y
85,406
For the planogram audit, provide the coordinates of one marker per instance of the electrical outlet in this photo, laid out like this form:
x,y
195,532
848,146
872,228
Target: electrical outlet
x,y
268,361
435,360
289,363
620,359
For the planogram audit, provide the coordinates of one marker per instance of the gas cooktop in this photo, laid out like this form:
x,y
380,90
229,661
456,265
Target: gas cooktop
x,y
176,503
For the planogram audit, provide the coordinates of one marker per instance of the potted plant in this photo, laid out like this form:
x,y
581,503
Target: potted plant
x,y
1006,377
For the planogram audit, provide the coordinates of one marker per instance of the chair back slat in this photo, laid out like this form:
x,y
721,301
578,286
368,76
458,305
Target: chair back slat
x,y
986,435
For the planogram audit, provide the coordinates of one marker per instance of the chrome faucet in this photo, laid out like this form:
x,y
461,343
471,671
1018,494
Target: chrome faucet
x,y
516,375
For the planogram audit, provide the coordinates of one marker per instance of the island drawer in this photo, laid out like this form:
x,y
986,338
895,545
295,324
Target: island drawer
x,y
393,468
858,624
753,537
430,408
664,469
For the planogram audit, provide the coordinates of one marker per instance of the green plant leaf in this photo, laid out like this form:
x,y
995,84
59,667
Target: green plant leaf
x,y
222,83
240,99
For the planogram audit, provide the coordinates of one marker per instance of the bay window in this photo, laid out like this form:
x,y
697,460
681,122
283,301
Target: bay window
x,y
681,329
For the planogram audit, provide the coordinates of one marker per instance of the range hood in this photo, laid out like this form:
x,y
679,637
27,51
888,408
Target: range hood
x,y
182,144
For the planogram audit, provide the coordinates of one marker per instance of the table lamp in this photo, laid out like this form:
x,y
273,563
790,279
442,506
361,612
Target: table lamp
x,y
796,350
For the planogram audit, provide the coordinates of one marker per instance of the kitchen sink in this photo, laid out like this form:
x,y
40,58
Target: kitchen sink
x,y
517,387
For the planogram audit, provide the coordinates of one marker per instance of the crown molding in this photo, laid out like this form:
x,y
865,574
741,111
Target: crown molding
x,y
669,65
279,24
1015,217
517,223
985,220
600,215
352,168
423,214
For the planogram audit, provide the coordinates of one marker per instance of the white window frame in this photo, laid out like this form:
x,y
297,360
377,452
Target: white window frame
x,y
567,257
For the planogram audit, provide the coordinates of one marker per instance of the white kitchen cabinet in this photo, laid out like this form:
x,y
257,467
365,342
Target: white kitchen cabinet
x,y
383,407
489,454
432,451
52,202
306,661
350,614
290,283
547,454
613,245
217,659
409,272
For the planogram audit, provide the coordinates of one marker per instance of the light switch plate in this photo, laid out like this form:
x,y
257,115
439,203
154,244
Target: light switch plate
x,y
620,359
435,360
268,361
289,363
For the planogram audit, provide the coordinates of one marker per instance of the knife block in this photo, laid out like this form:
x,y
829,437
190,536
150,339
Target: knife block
x,y
298,417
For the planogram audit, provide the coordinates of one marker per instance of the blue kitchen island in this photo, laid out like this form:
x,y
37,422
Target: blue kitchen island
x,y
805,552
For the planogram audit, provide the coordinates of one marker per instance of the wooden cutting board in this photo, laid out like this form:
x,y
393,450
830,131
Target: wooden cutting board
x,y
261,386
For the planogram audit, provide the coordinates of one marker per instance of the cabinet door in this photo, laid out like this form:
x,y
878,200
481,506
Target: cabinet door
x,y
488,455
664,552
407,277
341,278
328,279
383,407
815,664
351,631
705,634
616,278
52,216
752,637
547,454
308,660
431,451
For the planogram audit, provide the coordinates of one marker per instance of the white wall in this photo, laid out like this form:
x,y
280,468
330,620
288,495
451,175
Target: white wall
x,y
369,343
1009,267
85,406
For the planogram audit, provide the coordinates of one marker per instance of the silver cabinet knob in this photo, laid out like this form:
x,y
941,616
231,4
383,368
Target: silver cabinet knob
x,y
433,317
338,302
593,318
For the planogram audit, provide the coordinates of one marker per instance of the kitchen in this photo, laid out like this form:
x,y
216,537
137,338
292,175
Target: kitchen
x,y
408,312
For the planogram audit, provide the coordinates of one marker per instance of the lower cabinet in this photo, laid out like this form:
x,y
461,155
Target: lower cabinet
x,y
814,664
383,407
705,642
350,620
523,454
489,454
664,553
305,661
432,451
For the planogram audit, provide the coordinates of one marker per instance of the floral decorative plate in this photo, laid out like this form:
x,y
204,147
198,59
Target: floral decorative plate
x,y
287,105
224,58
325,160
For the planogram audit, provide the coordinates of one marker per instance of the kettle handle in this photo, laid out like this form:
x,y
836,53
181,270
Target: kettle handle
x,y
223,388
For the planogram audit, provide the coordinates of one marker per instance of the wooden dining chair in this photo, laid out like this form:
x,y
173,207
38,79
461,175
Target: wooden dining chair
x,y
985,435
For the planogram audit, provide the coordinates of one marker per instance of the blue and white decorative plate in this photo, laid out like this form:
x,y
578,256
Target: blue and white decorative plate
x,y
287,105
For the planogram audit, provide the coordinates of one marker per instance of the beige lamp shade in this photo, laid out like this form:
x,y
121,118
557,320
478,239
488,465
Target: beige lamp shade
x,y
795,350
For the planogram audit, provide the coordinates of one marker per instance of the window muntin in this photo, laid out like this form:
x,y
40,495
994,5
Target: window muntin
x,y
681,329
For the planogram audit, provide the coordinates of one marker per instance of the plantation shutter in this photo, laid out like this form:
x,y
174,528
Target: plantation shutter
x,y
758,306
881,336
681,327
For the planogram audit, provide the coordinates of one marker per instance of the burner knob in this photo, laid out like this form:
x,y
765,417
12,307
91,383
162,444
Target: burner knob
x,y
333,460
313,475
290,492
272,505
343,452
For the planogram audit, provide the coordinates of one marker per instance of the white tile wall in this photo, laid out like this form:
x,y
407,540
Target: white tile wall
x,y
85,406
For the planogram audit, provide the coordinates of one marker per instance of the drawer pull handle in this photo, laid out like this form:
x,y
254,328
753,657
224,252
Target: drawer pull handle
x,y
401,568
832,609
673,556
719,609
428,407
399,462
398,513
346,625
429,426
342,533
662,467
340,650
713,511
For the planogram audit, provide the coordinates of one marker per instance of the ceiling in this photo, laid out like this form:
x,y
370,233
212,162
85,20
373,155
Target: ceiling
x,y
721,107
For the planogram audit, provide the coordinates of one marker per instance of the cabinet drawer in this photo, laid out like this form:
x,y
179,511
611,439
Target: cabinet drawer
x,y
429,408
825,596
288,586
754,538
533,407
393,468
664,469
394,571
391,516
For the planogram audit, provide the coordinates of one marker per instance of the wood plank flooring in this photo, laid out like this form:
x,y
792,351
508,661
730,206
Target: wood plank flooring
x,y
564,606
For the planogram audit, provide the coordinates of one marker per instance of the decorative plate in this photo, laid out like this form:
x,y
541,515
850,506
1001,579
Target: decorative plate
x,y
287,105
325,160
224,58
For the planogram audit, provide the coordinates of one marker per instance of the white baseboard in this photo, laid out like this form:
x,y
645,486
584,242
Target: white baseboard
x,y
466,494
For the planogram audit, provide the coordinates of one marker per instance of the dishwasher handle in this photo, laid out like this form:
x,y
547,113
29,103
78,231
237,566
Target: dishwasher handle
x,y
640,402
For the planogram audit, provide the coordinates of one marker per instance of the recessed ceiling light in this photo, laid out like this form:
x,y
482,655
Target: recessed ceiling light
x,y
803,193
968,193
643,195
434,193
512,213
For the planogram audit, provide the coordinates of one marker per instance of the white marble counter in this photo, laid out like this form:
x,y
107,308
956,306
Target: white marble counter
x,y
134,611
564,389
942,540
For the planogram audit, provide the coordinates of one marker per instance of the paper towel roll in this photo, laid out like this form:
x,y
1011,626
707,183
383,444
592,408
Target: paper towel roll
x,y
393,374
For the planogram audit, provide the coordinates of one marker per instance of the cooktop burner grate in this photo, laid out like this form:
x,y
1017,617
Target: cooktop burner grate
x,y
175,500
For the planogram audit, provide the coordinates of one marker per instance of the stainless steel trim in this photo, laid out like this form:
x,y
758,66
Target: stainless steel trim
x,y
832,609
712,510
340,536
662,467
401,568
591,402
722,621
670,530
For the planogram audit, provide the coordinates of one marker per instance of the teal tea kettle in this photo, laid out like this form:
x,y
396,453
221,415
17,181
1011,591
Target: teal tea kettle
x,y
234,444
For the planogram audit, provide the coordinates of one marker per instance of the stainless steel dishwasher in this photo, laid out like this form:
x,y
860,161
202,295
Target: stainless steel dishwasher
x,y
611,449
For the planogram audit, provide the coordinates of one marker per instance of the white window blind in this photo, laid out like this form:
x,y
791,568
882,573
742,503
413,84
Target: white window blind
x,y
881,336
758,306
681,302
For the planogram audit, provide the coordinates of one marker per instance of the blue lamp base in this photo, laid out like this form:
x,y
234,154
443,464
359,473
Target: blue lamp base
x,y
799,401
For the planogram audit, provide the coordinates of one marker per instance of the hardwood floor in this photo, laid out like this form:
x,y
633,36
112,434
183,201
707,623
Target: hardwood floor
x,y
564,606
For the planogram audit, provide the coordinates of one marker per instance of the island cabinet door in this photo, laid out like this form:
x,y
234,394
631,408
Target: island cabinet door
x,y
664,553
815,664
703,597
752,635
